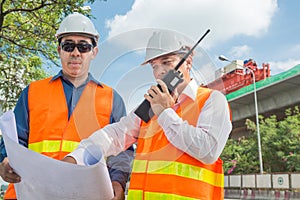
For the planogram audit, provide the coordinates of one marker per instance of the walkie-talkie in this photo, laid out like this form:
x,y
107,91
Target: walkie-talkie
x,y
171,79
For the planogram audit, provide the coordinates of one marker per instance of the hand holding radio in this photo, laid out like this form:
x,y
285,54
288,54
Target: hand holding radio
x,y
160,97
171,79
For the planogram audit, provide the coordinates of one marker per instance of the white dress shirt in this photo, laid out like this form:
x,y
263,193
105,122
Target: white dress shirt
x,y
204,142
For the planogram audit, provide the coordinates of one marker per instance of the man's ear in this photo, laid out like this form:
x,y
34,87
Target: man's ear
x,y
189,62
58,49
95,52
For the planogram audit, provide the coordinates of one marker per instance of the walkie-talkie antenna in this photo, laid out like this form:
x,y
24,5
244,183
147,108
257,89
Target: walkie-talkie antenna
x,y
190,51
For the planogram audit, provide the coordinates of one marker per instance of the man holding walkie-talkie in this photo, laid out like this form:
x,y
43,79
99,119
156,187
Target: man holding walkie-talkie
x,y
179,144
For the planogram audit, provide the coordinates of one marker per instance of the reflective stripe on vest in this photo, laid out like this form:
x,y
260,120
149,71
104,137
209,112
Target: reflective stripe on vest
x,y
162,171
179,169
53,146
51,133
138,194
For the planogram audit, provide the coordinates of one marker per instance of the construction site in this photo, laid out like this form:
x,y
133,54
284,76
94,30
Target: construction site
x,y
251,91
241,81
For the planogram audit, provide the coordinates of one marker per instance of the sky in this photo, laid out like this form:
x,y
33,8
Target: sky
x,y
266,31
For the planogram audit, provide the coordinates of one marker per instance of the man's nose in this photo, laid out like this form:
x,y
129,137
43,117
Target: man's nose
x,y
162,73
163,70
75,52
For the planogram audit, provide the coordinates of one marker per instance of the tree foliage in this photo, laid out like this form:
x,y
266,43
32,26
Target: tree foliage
x,y
280,142
27,41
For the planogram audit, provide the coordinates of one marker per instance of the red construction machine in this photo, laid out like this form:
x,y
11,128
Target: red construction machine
x,y
237,74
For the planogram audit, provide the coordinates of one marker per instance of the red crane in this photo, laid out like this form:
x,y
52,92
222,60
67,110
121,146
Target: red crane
x,y
236,75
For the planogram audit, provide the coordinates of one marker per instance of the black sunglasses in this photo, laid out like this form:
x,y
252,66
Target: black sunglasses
x,y
82,47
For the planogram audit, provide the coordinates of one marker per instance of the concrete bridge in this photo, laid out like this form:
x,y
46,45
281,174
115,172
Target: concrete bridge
x,y
274,95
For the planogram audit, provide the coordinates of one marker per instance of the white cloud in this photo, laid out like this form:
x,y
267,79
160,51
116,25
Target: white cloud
x,y
281,66
240,52
226,19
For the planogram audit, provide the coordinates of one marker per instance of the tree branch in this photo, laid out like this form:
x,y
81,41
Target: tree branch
x,y
1,5
1,14
28,10
19,45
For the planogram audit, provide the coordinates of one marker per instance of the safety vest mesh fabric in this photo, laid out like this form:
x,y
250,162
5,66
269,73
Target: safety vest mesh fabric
x,y
51,133
162,171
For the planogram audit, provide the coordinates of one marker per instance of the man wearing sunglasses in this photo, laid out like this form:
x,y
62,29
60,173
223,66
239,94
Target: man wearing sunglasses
x,y
54,114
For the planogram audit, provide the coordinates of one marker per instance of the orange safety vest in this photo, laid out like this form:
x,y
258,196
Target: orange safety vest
x,y
162,171
50,131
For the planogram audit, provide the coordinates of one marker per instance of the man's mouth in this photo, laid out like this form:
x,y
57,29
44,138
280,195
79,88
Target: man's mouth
x,y
75,62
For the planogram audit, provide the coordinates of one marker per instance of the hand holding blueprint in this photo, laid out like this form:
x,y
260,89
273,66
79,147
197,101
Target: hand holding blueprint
x,y
49,179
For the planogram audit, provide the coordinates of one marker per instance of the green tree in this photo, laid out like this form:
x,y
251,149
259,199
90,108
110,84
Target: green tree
x,y
280,146
27,41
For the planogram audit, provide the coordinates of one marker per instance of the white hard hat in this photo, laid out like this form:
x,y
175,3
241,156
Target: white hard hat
x,y
77,23
163,43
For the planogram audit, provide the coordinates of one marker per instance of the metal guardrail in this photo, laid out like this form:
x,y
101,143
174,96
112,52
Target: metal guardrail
x,y
263,186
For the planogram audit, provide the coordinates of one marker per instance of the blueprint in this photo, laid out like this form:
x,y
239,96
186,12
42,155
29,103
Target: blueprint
x,y
45,178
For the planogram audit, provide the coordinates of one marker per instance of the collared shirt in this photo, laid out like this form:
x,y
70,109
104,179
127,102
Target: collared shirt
x,y
204,142
119,166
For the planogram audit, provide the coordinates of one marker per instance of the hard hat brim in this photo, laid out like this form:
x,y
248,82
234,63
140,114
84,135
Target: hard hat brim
x,y
61,35
180,51
156,56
